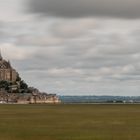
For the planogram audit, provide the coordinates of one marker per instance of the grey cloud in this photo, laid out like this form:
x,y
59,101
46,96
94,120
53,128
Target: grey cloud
x,y
37,40
86,8
72,28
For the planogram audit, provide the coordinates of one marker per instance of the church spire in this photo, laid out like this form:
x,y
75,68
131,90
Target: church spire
x,y
9,64
0,55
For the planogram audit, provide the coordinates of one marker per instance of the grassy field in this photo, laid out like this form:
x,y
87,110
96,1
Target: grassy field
x,y
69,122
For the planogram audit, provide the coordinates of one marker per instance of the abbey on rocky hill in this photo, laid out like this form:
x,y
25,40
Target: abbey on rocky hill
x,y
10,81
14,90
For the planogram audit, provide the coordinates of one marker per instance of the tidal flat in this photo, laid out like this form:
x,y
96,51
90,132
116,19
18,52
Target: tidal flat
x,y
70,122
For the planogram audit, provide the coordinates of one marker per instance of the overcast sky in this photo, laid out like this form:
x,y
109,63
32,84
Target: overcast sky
x,y
74,47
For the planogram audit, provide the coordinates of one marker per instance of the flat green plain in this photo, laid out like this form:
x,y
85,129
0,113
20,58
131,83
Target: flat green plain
x,y
70,122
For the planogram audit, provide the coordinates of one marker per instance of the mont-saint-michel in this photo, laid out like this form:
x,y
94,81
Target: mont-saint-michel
x,y
14,90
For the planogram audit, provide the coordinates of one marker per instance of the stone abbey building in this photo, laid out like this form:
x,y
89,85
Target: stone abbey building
x,y
7,73
14,90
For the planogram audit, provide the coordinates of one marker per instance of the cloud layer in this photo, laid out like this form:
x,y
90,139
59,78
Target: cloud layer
x,y
84,56
128,9
81,52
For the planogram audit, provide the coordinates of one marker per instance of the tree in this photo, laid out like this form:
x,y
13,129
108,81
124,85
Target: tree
x,y
23,86
18,78
4,85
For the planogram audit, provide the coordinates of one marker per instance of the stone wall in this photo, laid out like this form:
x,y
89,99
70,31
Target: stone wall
x,y
28,98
